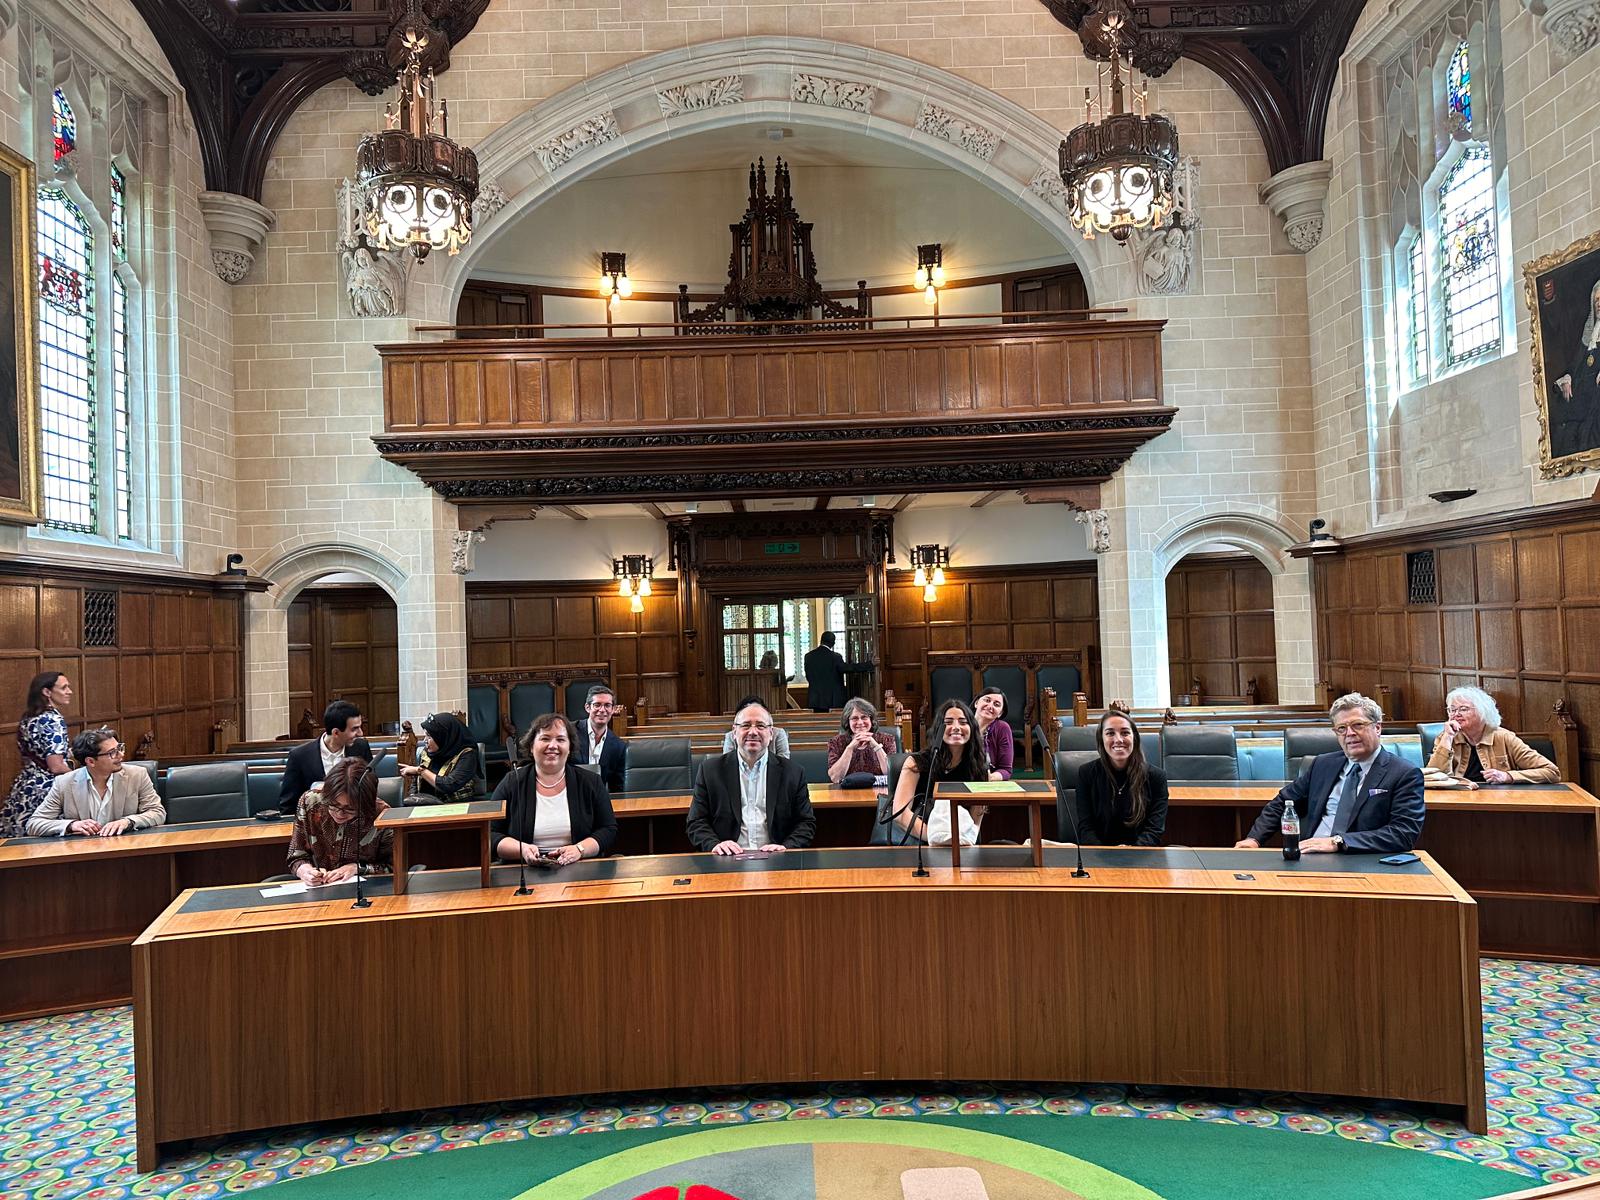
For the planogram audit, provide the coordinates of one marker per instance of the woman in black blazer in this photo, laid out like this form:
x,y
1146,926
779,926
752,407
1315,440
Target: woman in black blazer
x,y
554,811
1121,799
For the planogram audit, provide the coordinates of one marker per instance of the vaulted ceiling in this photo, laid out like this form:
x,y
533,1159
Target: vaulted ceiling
x,y
248,64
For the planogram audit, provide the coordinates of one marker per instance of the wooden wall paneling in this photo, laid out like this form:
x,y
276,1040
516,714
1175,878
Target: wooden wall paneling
x,y
344,644
1220,627
1517,612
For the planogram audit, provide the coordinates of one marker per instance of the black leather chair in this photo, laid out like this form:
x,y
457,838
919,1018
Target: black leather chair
x,y
527,702
1199,752
1540,742
262,788
813,762
217,791
949,683
391,791
1300,746
483,722
893,733
1068,763
1428,733
881,830
658,764
1076,737
1013,681
578,692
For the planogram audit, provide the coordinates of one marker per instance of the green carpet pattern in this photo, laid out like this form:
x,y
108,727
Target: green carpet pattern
x,y
66,1095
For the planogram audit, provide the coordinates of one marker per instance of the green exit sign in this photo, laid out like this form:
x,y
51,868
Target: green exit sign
x,y
783,547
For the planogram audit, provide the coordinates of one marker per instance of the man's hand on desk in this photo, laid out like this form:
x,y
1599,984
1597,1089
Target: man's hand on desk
x,y
88,828
115,827
773,848
1249,844
1319,846
725,848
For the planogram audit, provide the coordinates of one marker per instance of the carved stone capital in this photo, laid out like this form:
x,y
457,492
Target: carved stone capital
x,y
1574,25
238,226
463,543
1096,524
1299,196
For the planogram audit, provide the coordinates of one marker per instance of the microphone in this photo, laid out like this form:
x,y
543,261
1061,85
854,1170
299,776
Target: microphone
x,y
522,854
361,899
1072,811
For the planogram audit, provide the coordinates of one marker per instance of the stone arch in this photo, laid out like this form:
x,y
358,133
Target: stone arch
x,y
292,571
1265,539
791,79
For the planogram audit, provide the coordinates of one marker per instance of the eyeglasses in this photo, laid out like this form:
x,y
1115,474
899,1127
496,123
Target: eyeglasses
x,y
346,809
745,726
1461,710
1353,727
116,751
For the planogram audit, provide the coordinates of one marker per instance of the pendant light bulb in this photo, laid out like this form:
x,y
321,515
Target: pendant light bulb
x,y
929,594
921,579
938,577
636,605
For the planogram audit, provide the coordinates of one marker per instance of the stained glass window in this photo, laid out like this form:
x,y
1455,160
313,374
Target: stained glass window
x,y
1416,306
1458,90
66,362
63,125
119,214
1469,259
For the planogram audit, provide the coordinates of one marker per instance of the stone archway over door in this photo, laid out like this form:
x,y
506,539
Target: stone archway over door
x,y
778,80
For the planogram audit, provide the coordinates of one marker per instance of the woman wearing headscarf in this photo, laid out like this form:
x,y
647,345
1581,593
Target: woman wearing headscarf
x,y
1575,419
447,762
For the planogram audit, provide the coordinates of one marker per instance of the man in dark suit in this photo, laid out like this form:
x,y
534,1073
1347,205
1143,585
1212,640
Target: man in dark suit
x,y
750,799
1364,800
310,762
825,670
596,742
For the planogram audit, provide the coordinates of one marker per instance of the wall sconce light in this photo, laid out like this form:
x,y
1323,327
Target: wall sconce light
x,y
930,271
615,286
632,573
929,560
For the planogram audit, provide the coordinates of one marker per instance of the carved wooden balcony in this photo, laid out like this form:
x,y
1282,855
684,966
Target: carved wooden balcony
x,y
489,420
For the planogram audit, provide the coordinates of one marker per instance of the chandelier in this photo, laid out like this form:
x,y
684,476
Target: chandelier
x,y
416,186
1119,170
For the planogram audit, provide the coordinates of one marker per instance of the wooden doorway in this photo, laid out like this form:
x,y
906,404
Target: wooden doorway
x,y
764,642
344,645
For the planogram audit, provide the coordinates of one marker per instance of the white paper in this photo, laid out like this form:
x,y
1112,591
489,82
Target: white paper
x,y
285,889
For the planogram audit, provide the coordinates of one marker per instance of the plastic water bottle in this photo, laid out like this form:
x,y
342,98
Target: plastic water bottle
x,y
1290,825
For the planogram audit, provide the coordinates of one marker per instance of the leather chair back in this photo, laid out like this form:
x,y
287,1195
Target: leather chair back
x,y
1428,733
578,692
1068,763
1199,752
813,762
882,833
1065,680
391,791
949,683
1542,743
1300,746
216,791
483,713
1013,681
527,702
1077,737
657,764
262,788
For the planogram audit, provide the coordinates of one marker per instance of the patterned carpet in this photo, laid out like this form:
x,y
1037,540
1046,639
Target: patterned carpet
x,y
66,1092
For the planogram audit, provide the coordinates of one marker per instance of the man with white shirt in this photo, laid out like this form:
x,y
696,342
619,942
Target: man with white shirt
x,y
751,799
596,743
99,799
310,762
1364,800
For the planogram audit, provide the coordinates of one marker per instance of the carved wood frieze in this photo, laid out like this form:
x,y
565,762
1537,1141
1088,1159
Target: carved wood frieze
x,y
245,70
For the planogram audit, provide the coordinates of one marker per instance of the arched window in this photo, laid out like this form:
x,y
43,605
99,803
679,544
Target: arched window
x,y
66,362
1469,267
122,419
1458,92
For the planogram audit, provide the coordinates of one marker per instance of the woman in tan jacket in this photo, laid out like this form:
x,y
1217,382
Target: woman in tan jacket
x,y
1473,746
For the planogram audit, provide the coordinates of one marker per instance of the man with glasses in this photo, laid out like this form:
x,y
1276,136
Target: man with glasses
x,y
99,799
751,799
1359,800
596,743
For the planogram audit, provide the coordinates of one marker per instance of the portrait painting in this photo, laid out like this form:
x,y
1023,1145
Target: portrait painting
x,y
1563,296
19,419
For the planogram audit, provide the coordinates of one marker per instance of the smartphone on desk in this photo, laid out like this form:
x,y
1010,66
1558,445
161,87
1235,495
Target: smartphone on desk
x,y
1399,860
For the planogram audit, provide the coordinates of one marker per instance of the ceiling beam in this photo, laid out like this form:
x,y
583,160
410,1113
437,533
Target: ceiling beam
x,y
566,510
988,498
653,509
737,504
820,503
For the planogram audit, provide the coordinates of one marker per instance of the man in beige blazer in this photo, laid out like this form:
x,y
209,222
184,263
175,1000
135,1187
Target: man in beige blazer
x,y
99,799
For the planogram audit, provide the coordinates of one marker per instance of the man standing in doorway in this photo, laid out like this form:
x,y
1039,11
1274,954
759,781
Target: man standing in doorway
x,y
825,671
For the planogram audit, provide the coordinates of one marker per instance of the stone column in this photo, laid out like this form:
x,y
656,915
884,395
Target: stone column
x,y
1294,630
238,226
1133,619
266,674
433,627
1298,196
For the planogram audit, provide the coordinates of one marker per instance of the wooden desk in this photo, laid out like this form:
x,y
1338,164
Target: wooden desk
x,y
1529,854
1164,966
472,814
1029,793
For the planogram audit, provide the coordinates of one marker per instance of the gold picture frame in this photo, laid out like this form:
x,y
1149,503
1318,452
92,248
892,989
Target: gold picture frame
x,y
20,492
1560,292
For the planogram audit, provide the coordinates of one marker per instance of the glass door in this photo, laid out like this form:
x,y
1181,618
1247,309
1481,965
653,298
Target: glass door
x,y
753,653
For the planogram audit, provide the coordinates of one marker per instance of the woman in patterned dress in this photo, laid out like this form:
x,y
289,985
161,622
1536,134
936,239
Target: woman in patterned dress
x,y
42,739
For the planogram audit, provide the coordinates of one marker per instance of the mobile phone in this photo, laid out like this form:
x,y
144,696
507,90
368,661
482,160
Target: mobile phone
x,y
1399,860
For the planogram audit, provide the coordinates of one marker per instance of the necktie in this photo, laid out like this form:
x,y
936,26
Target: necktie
x,y
1347,800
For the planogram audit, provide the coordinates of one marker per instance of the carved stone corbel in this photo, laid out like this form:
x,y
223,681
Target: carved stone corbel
x,y
1298,196
1084,501
1574,25
463,546
238,226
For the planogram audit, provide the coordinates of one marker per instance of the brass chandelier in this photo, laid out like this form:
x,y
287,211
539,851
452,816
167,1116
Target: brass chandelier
x,y
1119,170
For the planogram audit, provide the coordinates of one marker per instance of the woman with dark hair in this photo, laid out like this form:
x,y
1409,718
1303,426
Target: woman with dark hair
x,y
858,753
1121,799
954,755
447,762
42,740
553,810
990,709
336,828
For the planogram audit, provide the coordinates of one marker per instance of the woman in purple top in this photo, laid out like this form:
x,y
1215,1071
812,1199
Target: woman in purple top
x,y
990,709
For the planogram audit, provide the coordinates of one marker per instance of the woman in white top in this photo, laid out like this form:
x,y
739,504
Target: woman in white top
x,y
554,810
956,754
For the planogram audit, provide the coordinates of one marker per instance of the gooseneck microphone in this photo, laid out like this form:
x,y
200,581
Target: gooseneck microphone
x,y
522,851
361,899
1077,842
